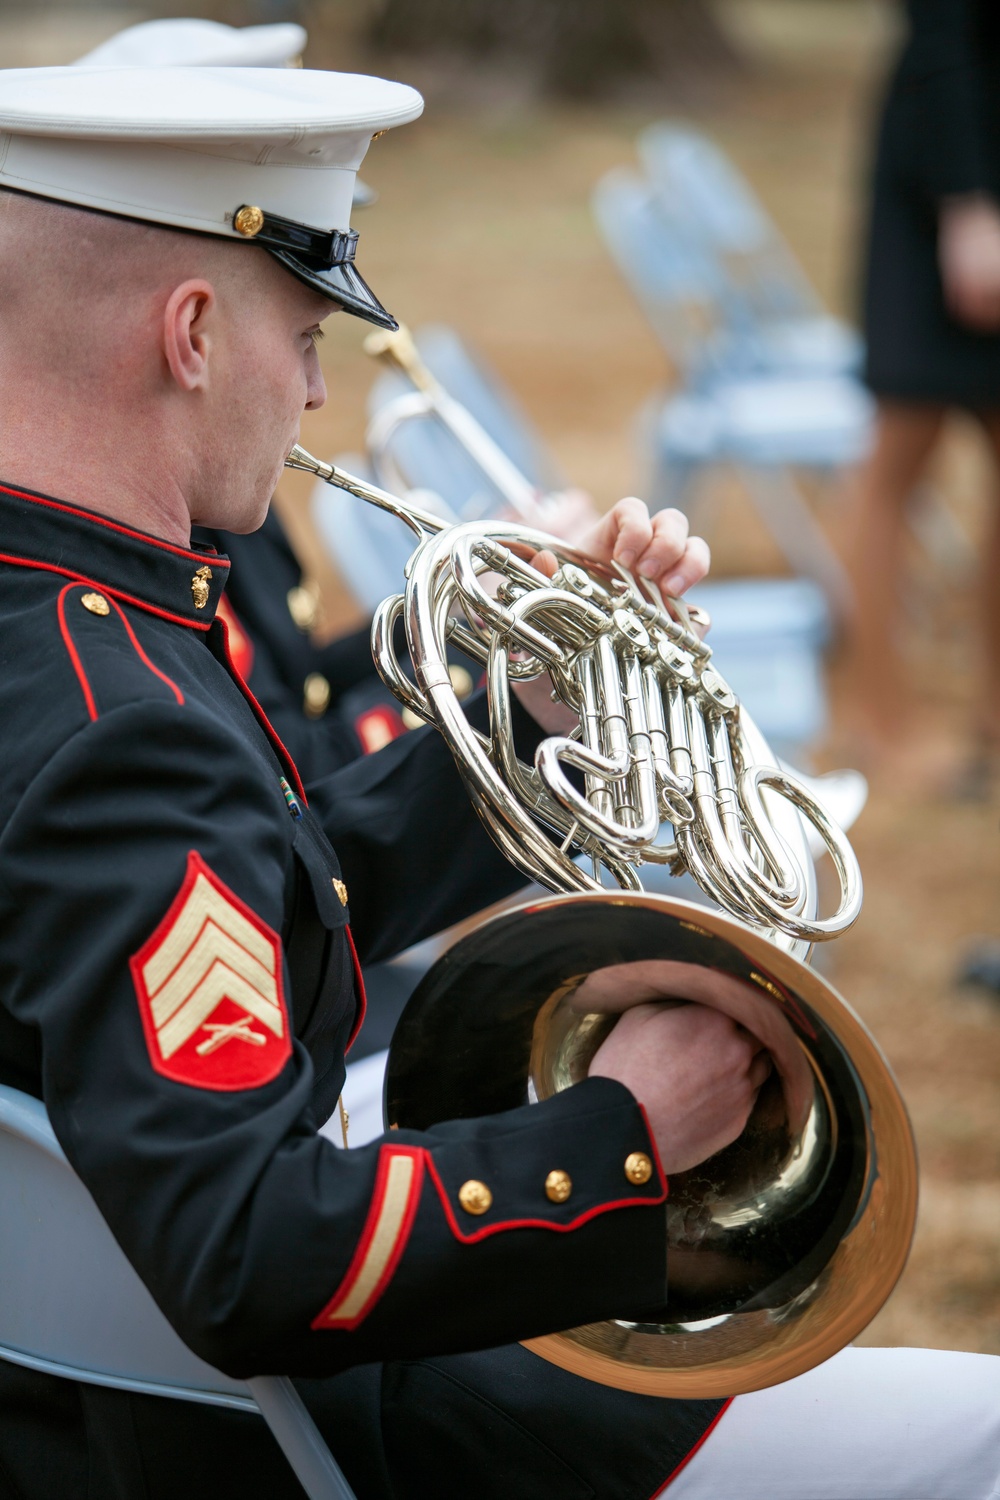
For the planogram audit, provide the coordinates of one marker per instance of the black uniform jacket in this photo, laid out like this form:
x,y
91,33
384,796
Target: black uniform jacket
x,y
179,984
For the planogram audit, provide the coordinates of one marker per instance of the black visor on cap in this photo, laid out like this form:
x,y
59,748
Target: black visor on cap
x,y
343,284
321,258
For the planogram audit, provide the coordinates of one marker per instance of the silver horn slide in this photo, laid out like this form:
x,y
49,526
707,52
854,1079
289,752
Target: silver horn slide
x,y
783,1246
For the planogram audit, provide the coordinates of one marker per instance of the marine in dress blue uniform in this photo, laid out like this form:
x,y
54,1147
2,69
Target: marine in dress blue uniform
x,y
188,1029
181,925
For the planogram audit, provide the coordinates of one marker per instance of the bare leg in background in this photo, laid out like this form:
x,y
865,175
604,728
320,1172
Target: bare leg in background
x,y
905,435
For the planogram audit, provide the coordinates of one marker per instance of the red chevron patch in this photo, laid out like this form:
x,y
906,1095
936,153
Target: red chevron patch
x,y
210,988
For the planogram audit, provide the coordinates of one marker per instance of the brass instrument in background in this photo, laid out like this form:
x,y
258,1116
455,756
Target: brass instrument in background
x,y
430,398
785,1245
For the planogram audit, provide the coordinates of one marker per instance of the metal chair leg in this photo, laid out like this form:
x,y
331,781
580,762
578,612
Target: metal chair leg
x,y
786,514
299,1438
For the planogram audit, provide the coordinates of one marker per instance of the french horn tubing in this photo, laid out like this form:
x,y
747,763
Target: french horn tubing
x,y
783,1246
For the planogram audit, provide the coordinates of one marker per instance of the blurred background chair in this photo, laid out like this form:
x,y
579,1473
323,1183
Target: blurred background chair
x,y
72,1306
729,409
774,319
768,383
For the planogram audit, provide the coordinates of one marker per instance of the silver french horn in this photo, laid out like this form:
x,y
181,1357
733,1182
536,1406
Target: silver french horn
x,y
785,1245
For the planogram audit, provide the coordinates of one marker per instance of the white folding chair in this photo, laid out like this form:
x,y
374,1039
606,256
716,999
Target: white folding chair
x,y
53,1242
777,321
763,425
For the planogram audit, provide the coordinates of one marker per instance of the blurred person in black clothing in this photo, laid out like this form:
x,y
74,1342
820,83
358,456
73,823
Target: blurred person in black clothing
x,y
932,320
325,700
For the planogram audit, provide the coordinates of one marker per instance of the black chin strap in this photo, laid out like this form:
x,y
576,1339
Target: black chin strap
x,y
324,248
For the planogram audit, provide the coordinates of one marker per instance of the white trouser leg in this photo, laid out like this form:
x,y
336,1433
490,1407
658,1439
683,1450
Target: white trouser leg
x,y
869,1424
363,1102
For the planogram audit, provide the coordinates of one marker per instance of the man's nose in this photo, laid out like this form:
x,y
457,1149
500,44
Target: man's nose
x,y
315,386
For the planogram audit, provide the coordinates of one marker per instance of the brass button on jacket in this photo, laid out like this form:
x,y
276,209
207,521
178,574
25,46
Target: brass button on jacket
x,y
638,1167
475,1197
558,1186
96,604
303,606
316,694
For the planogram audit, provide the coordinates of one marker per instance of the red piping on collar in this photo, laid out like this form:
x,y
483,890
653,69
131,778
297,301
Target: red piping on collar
x,y
99,520
74,655
152,609
692,1451
260,715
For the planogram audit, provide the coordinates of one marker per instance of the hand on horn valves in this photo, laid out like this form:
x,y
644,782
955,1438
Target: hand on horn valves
x,y
656,547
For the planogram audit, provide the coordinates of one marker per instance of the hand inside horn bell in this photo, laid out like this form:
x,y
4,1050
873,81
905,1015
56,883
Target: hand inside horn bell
x,y
694,1046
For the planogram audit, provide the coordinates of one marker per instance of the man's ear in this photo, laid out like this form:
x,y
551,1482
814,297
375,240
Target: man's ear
x,y
186,342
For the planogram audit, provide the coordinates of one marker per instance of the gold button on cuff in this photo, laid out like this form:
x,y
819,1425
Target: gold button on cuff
x,y
558,1186
315,695
200,591
249,220
638,1167
475,1197
412,720
96,604
341,890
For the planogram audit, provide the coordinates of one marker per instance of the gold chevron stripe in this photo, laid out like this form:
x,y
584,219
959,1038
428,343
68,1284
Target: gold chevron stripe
x,y
212,946
203,904
212,952
219,984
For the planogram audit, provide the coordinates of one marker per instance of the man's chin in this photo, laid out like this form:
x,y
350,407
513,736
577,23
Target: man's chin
x,y
251,520
240,517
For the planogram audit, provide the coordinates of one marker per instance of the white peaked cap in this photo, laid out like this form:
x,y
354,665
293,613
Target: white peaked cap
x,y
187,42
266,156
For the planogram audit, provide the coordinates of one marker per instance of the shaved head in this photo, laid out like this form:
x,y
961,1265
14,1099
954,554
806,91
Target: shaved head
x,y
123,344
69,244
67,272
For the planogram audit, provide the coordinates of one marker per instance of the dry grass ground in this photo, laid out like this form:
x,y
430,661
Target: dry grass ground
x,y
484,223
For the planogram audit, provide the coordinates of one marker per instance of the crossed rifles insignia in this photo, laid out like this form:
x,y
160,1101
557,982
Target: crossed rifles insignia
x,y
209,985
